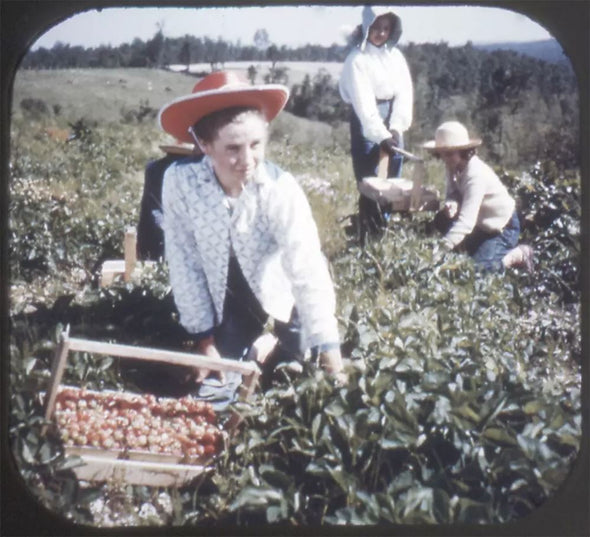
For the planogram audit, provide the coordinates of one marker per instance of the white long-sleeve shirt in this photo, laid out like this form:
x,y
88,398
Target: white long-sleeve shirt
x,y
484,202
274,238
378,73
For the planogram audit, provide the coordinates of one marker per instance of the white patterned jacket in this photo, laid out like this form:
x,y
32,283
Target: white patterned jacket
x,y
273,235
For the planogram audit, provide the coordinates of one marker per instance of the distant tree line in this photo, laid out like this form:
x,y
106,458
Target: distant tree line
x,y
160,51
523,107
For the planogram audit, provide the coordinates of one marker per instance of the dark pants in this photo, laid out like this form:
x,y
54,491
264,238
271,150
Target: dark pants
x,y
243,322
365,159
486,249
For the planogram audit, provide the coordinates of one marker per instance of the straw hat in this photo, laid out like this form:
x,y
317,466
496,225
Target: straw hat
x,y
451,136
180,148
219,90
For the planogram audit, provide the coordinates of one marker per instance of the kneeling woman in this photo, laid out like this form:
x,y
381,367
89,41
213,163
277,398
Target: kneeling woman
x,y
240,238
479,214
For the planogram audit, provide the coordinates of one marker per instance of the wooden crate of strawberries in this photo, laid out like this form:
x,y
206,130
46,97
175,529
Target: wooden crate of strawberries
x,y
139,438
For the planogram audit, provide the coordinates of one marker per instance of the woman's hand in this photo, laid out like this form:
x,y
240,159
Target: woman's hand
x,y
389,144
206,347
263,347
450,208
331,361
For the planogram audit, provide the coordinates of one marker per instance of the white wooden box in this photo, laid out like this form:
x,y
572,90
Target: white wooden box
x,y
399,193
141,467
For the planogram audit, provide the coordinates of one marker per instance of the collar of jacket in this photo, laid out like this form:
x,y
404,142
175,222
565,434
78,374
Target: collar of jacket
x,y
372,49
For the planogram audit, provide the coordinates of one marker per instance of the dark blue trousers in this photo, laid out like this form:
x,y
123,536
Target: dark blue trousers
x,y
365,159
243,322
486,249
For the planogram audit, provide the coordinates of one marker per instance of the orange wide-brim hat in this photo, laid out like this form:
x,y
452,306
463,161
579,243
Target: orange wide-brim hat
x,y
219,90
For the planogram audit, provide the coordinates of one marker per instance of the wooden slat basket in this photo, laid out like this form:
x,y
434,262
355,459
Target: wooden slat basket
x,y
111,461
401,195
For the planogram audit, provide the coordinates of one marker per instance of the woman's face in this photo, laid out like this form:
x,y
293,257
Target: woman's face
x,y
380,30
237,150
452,159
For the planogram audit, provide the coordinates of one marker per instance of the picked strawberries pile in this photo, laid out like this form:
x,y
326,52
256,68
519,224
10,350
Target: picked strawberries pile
x,y
182,427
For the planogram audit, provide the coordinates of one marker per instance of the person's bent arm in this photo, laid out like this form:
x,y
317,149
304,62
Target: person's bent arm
x,y
187,278
307,269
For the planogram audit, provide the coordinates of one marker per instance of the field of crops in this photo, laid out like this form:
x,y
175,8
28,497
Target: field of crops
x,y
464,401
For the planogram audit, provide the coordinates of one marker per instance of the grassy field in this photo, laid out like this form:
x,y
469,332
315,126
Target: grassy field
x,y
100,94
464,400
104,95
296,71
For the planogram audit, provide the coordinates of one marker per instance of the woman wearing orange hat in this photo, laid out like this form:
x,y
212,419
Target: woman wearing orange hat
x,y
240,239
479,214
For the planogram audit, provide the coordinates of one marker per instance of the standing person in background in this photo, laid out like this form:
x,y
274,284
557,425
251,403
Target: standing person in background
x,y
479,215
150,235
376,81
241,242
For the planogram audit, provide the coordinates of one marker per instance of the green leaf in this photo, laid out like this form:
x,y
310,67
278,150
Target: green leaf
x,y
276,478
499,436
336,409
391,443
315,426
71,461
46,453
27,453
106,363
465,411
533,407
254,498
317,469
30,364
275,513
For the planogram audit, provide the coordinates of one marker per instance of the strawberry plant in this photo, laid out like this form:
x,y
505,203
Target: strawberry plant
x,y
463,403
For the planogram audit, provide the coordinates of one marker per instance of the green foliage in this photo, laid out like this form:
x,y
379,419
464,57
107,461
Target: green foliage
x,y
69,202
451,414
550,205
144,112
463,402
318,98
35,108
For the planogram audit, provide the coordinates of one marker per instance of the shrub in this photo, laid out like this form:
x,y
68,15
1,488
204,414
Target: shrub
x,y
463,403
137,115
34,108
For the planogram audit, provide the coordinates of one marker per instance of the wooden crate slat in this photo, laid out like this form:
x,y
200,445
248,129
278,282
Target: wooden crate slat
x,y
57,370
161,355
96,468
106,466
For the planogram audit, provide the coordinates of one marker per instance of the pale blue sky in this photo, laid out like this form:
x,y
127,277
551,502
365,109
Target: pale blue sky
x,y
291,25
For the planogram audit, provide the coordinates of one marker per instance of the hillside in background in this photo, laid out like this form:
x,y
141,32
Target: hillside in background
x,y
548,50
520,106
